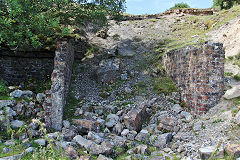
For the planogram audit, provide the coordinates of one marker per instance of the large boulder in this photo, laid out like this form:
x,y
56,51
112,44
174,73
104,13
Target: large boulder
x,y
135,118
85,126
108,70
232,93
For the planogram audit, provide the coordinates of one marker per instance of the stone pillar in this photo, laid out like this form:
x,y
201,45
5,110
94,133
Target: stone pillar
x,y
199,74
61,76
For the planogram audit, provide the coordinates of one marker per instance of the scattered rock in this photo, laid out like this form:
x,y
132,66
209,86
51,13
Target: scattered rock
x,y
125,132
41,142
40,97
197,126
232,93
6,150
86,125
177,108
188,117
108,70
142,149
161,141
118,128
66,124
102,157
206,152
70,152
233,150
168,124
83,142
17,124
143,136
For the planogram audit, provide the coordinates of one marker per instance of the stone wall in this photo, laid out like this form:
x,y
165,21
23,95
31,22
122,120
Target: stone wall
x,y
20,66
199,74
61,76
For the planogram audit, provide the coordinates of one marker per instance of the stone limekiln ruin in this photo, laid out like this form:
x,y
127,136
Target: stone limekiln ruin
x,y
199,74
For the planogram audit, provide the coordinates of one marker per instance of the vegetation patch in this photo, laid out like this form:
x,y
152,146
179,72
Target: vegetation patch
x,y
164,85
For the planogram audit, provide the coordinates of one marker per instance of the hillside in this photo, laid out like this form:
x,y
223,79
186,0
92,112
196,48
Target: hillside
x,y
123,105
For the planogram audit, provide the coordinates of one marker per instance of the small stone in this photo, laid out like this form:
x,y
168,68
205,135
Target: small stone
x,y
143,136
27,145
17,124
125,132
85,158
167,150
107,131
233,150
168,124
232,93
187,116
7,103
34,125
10,143
6,150
85,126
69,134
83,142
237,118
131,135
66,124
128,90
206,152
40,97
161,141
70,152
197,126
124,76
29,150
142,149
177,108
41,142
102,157
97,138
118,128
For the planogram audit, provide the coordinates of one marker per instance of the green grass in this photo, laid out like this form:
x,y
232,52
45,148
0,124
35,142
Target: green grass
x,y
14,150
228,74
184,32
236,78
164,85
217,121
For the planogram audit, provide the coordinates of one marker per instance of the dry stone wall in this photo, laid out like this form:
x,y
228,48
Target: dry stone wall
x,y
199,74
17,67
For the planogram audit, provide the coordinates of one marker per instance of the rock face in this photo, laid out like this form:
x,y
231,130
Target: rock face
x,y
199,74
135,118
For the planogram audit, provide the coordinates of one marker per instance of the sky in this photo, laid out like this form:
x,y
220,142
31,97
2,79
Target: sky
x,y
158,6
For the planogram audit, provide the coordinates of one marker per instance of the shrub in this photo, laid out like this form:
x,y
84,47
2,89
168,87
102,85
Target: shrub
x,y
224,4
180,5
30,24
3,88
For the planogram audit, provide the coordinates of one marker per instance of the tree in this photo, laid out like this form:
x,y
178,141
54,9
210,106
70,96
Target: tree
x,y
225,4
35,23
180,5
